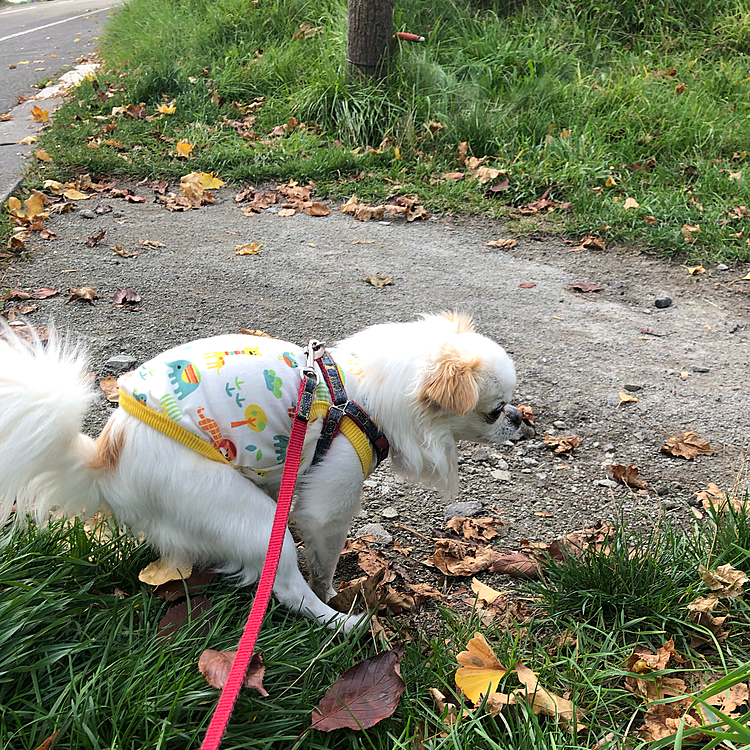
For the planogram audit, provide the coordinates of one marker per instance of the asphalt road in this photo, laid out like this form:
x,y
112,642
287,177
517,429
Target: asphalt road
x,y
41,39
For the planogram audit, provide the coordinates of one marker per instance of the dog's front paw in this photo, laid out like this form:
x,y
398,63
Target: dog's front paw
x,y
352,622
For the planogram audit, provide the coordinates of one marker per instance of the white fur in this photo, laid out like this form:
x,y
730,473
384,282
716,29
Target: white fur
x,y
194,509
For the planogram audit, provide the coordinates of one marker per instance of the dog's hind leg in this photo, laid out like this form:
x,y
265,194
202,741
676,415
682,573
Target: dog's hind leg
x,y
197,510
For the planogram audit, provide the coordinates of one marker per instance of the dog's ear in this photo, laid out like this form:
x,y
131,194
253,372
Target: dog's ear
x,y
451,381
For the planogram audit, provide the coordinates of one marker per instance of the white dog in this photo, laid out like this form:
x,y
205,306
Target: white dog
x,y
425,384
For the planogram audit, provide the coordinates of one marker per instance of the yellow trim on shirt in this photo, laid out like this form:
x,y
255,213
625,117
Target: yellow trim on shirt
x,y
163,423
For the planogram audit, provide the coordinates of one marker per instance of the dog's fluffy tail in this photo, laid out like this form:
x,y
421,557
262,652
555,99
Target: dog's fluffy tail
x,y
45,460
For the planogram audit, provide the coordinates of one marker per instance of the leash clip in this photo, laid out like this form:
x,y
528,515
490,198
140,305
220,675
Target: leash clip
x,y
313,352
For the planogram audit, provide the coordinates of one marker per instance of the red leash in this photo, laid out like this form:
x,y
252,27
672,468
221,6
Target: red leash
x,y
246,646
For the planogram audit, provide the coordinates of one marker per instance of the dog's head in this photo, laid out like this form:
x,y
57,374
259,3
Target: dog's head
x,y
468,384
430,383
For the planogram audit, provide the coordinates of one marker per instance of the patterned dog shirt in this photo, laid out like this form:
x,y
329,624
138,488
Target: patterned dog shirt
x,y
237,393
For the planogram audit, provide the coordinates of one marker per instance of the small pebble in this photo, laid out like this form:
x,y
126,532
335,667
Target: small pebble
x,y
378,531
87,213
500,475
662,301
560,424
701,368
671,505
389,512
632,387
722,267
502,464
465,509
122,362
662,490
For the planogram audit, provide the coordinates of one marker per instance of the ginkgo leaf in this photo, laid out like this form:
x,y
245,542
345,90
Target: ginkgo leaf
x,y
480,671
210,182
630,203
544,701
626,398
483,592
184,148
42,155
29,139
167,109
249,248
75,195
162,570
39,115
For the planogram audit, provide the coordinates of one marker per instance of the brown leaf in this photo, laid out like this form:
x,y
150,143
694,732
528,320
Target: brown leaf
x,y
48,234
47,744
455,558
724,581
365,212
126,296
687,445
195,583
15,294
317,209
360,544
526,285
482,529
544,701
123,253
371,561
378,280
453,176
516,565
628,475
12,313
216,665
503,243
94,239
359,591
527,413
195,614
86,293
44,292
364,695
590,243
562,444
110,388
585,286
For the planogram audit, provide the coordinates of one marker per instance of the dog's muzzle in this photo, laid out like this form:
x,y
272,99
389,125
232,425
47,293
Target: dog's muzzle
x,y
513,415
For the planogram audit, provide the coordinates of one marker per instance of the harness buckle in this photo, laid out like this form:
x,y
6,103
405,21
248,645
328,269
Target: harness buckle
x,y
313,351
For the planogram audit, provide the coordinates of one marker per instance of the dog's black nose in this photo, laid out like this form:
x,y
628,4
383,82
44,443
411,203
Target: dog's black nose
x,y
513,415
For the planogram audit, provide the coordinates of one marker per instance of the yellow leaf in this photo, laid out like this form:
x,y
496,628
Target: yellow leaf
x,y
42,155
184,148
626,398
611,182
249,248
167,109
695,270
162,570
39,115
485,593
75,195
32,207
29,139
287,212
396,153
54,186
630,203
480,671
209,182
543,701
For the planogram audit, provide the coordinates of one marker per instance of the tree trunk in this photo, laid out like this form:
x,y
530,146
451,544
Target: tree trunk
x,y
370,34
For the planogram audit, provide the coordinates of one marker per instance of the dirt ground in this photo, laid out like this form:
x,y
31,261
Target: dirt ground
x,y
574,352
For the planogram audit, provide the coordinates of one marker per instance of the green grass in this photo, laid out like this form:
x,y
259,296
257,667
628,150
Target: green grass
x,y
563,95
79,657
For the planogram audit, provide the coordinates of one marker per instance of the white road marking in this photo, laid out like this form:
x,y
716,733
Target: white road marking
x,y
54,23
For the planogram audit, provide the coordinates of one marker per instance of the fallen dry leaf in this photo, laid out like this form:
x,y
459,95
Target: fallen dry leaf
x,y
44,292
162,570
363,591
123,253
47,744
194,615
483,592
585,286
38,114
590,243
630,203
126,296
544,701
48,234
287,212
480,671
687,445
15,294
317,209
42,155
562,444
184,149
110,388
724,581
152,243
504,243
94,239
456,558
215,666
86,293
482,529
378,280
364,695
527,413
628,475
526,285
178,589
626,398
249,248
516,565
12,313
75,195
689,231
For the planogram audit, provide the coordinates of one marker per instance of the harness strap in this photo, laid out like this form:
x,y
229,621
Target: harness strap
x,y
359,421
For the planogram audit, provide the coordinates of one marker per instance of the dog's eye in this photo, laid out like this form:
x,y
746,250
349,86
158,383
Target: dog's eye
x,y
494,415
